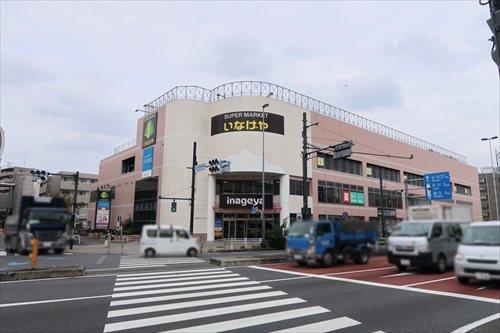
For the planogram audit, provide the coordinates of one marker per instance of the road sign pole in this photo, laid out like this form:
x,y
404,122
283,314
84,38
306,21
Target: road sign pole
x,y
382,219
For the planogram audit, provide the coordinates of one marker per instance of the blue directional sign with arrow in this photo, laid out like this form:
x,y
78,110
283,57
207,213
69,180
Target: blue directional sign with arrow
x,y
437,186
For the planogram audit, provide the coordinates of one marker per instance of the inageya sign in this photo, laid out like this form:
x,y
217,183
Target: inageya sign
x,y
246,121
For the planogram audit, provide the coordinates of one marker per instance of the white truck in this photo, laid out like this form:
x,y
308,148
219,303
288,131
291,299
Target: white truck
x,y
429,238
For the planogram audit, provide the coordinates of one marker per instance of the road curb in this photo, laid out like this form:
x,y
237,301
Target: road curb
x,y
228,262
45,273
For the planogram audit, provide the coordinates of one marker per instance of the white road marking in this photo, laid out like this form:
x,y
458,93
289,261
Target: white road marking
x,y
160,264
2,253
286,279
323,326
52,301
168,275
171,272
431,281
255,320
190,295
176,284
191,304
101,260
362,271
481,288
377,284
131,324
189,278
396,275
478,323
174,290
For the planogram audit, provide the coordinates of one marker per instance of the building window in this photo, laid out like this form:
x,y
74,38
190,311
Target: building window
x,y
462,189
484,197
482,180
330,192
413,179
392,199
296,187
346,165
128,165
228,186
377,171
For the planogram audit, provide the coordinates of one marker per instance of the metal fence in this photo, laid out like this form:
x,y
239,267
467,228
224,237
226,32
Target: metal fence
x,y
258,88
125,146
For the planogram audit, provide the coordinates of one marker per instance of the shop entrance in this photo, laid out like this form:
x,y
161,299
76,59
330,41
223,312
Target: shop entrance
x,y
244,225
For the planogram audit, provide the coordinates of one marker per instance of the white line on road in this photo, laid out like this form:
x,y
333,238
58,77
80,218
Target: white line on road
x,y
390,286
361,271
171,272
190,295
478,323
101,260
166,285
182,278
168,275
255,320
396,275
131,324
431,281
174,290
191,304
52,301
286,279
323,326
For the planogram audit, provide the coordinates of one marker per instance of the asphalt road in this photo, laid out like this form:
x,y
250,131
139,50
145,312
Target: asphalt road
x,y
155,295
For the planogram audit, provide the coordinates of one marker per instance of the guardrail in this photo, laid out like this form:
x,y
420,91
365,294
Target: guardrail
x,y
258,88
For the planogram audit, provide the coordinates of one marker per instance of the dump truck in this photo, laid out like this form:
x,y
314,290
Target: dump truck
x,y
44,218
330,242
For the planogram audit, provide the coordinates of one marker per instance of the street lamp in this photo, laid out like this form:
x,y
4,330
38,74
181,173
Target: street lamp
x,y
263,215
139,110
494,176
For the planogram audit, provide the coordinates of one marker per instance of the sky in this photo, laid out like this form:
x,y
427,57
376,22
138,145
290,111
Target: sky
x,y
72,73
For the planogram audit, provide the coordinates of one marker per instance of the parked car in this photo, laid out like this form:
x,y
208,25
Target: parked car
x,y
170,240
478,255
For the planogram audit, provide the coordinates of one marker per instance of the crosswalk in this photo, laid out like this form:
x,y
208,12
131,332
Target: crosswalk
x,y
134,261
211,300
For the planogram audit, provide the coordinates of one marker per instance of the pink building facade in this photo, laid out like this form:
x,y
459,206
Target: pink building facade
x,y
226,122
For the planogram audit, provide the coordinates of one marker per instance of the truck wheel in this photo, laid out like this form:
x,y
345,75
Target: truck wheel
x,y
327,260
402,268
301,263
463,279
441,264
362,257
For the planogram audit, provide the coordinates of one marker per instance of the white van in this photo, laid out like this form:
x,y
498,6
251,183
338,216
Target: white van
x,y
478,255
171,240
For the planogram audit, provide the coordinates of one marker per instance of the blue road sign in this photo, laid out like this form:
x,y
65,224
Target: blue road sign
x,y
437,186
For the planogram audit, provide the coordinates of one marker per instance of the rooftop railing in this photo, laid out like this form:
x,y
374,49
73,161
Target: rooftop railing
x,y
258,88
125,146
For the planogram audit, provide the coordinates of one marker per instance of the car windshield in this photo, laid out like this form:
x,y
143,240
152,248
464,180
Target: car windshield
x,y
484,235
411,229
301,228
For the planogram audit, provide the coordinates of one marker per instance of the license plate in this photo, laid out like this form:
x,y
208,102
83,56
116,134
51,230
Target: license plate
x,y
405,262
483,276
46,244
298,256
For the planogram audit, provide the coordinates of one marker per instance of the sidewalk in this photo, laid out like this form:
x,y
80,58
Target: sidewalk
x,y
99,248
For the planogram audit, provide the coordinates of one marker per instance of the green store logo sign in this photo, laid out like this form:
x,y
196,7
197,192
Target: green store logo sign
x,y
149,131
104,195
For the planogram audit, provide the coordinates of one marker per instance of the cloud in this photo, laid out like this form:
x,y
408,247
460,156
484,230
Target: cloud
x,y
21,71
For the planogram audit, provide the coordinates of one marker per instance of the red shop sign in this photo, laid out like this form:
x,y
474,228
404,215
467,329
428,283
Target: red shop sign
x,y
346,197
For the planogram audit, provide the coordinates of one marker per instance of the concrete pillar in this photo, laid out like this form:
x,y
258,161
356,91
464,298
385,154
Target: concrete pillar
x,y
210,208
285,198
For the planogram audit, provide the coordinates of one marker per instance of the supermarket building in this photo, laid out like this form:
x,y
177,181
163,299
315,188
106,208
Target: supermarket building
x,y
226,123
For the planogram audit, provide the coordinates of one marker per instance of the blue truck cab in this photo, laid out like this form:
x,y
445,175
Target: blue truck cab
x,y
329,242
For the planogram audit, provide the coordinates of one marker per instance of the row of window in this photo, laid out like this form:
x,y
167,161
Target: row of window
x,y
390,198
326,161
128,165
296,187
462,189
330,192
68,192
168,233
377,171
246,186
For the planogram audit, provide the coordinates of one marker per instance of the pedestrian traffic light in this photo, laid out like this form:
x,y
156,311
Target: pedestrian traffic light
x,y
173,207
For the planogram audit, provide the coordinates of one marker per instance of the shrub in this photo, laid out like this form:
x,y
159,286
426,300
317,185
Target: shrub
x,y
276,237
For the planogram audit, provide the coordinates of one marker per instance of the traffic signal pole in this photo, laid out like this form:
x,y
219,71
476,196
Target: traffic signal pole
x,y
382,214
193,183
305,210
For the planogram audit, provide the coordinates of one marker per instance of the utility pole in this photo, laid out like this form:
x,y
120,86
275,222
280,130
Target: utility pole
x,y
76,180
193,181
382,217
305,209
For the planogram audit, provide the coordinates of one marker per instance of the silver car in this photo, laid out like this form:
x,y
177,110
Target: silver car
x,y
478,255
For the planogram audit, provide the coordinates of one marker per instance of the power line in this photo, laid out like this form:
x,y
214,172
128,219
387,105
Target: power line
x,y
345,137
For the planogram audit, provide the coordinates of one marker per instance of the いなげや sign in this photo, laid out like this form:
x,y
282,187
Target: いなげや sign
x,y
247,121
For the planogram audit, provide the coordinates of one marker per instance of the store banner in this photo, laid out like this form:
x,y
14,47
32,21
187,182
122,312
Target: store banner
x,y
103,208
245,201
248,122
357,198
346,197
149,130
147,162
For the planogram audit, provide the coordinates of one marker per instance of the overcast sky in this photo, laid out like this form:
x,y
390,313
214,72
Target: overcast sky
x,y
73,73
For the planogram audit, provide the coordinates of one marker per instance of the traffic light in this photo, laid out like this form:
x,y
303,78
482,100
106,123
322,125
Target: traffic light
x,y
41,174
173,207
214,166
